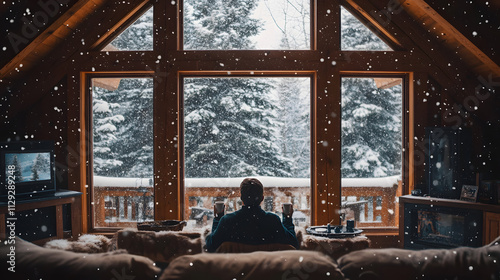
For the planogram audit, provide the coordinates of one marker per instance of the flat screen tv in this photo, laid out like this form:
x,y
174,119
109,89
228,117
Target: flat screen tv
x,y
27,170
449,164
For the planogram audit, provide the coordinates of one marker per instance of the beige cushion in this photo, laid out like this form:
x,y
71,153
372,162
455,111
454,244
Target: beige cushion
x,y
163,246
87,243
234,247
334,247
459,263
291,264
34,262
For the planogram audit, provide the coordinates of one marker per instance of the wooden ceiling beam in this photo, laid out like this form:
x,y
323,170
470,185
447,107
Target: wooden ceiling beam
x,y
386,29
68,55
413,37
478,21
71,18
459,82
444,28
119,26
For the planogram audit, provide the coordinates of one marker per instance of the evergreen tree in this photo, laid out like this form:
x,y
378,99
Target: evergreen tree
x,y
127,150
105,119
229,129
294,101
356,36
18,175
135,138
229,122
371,117
219,24
138,36
40,164
34,175
294,131
371,129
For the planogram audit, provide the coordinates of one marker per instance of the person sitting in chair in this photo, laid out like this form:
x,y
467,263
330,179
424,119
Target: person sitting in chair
x,y
251,225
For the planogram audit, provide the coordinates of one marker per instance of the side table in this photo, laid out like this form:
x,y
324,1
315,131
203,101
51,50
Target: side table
x,y
58,199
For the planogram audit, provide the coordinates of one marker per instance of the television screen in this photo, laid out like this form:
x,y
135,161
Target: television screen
x,y
441,228
28,167
27,170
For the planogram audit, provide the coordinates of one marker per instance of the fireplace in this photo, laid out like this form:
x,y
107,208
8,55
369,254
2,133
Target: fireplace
x,y
431,226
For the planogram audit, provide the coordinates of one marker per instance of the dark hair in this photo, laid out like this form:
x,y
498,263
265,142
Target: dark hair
x,y
252,191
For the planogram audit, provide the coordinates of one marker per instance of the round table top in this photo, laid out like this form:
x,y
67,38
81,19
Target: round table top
x,y
335,231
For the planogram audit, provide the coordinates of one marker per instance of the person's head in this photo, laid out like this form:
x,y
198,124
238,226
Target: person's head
x,y
252,192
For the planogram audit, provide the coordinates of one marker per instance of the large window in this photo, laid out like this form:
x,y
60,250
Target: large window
x,y
300,94
246,127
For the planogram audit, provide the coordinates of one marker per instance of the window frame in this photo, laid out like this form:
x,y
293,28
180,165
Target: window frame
x,y
87,97
325,61
405,130
246,74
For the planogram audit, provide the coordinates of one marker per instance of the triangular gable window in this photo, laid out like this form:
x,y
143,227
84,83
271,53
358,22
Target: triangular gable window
x,y
356,36
137,37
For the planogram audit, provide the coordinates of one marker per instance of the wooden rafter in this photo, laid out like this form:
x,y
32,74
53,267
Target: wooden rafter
x,y
444,28
62,57
374,24
50,37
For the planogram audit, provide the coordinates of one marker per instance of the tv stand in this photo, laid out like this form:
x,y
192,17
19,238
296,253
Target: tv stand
x,y
490,214
57,200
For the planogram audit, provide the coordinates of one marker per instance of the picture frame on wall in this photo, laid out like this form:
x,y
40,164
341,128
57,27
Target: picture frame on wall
x,y
469,193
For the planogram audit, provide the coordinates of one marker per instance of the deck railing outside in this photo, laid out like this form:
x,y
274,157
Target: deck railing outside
x,y
121,202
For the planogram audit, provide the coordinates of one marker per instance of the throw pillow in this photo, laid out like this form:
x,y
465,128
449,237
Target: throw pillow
x,y
34,262
163,246
257,265
459,263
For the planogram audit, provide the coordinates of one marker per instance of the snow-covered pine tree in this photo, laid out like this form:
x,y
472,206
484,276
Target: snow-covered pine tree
x,y
34,175
229,129
356,36
294,131
132,146
18,174
135,136
219,24
229,122
40,164
371,129
371,117
294,95
105,121
138,36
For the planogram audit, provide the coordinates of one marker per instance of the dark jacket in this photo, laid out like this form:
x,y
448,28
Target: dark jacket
x,y
251,225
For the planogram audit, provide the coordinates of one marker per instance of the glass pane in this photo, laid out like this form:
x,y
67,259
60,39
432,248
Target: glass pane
x,y
371,149
122,118
246,24
246,127
137,37
356,36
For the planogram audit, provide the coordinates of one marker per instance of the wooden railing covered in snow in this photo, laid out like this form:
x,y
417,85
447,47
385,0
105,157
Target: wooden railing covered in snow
x,y
121,202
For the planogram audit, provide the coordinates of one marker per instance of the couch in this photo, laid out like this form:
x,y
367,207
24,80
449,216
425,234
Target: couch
x,y
34,262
